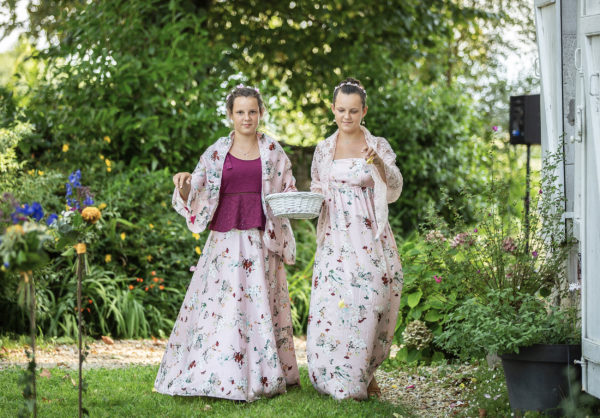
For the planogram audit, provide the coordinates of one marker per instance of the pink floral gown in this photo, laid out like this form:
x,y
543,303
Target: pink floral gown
x,y
233,336
357,278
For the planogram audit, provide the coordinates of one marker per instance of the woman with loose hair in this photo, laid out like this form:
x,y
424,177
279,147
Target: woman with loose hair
x,y
357,276
233,336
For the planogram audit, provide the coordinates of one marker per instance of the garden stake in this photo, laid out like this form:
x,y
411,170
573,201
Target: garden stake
x,y
80,260
28,278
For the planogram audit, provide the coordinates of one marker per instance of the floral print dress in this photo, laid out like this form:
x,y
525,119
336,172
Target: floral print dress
x,y
233,335
357,281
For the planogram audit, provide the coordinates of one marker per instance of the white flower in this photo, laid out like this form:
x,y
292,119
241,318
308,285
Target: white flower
x,y
574,286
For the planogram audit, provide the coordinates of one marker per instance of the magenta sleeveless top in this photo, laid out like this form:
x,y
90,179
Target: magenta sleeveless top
x,y
240,204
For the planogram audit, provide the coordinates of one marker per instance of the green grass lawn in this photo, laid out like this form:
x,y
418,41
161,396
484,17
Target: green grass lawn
x,y
128,393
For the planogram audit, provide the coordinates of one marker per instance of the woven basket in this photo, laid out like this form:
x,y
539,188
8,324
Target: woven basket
x,y
295,205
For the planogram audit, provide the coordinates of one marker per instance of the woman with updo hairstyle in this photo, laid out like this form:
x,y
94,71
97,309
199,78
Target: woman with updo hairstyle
x,y
233,336
357,276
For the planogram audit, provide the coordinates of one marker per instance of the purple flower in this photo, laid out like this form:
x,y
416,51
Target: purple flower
x,y
534,254
540,192
475,230
495,128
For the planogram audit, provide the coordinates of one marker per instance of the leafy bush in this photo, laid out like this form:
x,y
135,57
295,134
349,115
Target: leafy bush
x,y
130,80
432,130
426,297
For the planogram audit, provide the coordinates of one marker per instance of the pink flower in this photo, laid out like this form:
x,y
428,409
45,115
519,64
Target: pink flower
x,y
438,279
410,387
509,245
495,128
475,230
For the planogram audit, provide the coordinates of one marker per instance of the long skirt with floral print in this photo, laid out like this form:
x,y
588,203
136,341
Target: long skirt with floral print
x,y
233,336
357,281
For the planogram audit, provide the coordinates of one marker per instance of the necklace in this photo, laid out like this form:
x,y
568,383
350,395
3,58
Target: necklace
x,y
250,149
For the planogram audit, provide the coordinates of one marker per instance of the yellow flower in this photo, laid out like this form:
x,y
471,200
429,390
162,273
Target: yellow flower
x,y
198,250
40,172
107,139
80,248
65,147
462,386
123,236
91,214
101,156
151,226
107,162
31,172
102,205
108,258
163,204
17,229
149,258
108,169
341,304
195,235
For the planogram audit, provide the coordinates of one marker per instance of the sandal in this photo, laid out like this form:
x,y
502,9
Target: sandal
x,y
373,389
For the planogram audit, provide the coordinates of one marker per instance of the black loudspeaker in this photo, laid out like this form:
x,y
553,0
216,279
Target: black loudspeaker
x,y
524,120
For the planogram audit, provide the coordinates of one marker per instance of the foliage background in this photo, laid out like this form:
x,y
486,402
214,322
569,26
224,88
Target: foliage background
x,y
132,92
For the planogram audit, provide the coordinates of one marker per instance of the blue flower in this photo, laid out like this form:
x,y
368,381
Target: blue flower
x,y
51,219
34,211
69,189
88,201
74,178
6,264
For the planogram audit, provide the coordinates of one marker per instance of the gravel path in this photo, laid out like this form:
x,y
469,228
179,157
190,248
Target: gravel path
x,y
431,391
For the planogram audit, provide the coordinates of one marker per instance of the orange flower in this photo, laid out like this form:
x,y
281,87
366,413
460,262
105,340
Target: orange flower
x,y
91,214
130,287
88,309
90,301
161,287
155,279
146,288
153,273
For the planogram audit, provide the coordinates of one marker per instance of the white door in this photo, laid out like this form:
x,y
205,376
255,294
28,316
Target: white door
x,y
547,23
588,208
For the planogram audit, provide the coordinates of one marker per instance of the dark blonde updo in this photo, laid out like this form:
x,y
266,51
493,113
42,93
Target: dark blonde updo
x,y
351,86
244,91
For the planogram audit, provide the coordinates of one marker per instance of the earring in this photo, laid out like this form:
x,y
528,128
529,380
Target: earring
x,y
333,120
362,122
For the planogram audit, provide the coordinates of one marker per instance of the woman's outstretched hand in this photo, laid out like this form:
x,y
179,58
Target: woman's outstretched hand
x,y
372,158
183,182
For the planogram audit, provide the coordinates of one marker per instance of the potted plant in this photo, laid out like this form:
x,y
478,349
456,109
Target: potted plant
x,y
511,267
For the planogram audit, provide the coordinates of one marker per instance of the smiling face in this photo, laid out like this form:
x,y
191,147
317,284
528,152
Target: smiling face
x,y
245,115
348,111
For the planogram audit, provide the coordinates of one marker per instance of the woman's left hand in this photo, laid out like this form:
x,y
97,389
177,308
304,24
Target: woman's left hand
x,y
372,157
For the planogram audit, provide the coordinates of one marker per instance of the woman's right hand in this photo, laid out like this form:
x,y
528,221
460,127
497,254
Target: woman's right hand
x,y
183,183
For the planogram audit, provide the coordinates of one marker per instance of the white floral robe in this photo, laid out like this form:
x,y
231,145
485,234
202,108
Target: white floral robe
x,y
233,335
357,277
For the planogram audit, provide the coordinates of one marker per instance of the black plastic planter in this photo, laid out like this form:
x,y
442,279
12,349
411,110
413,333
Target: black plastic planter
x,y
537,378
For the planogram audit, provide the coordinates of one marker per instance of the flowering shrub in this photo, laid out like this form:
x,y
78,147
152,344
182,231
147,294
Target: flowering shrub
x,y
507,266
